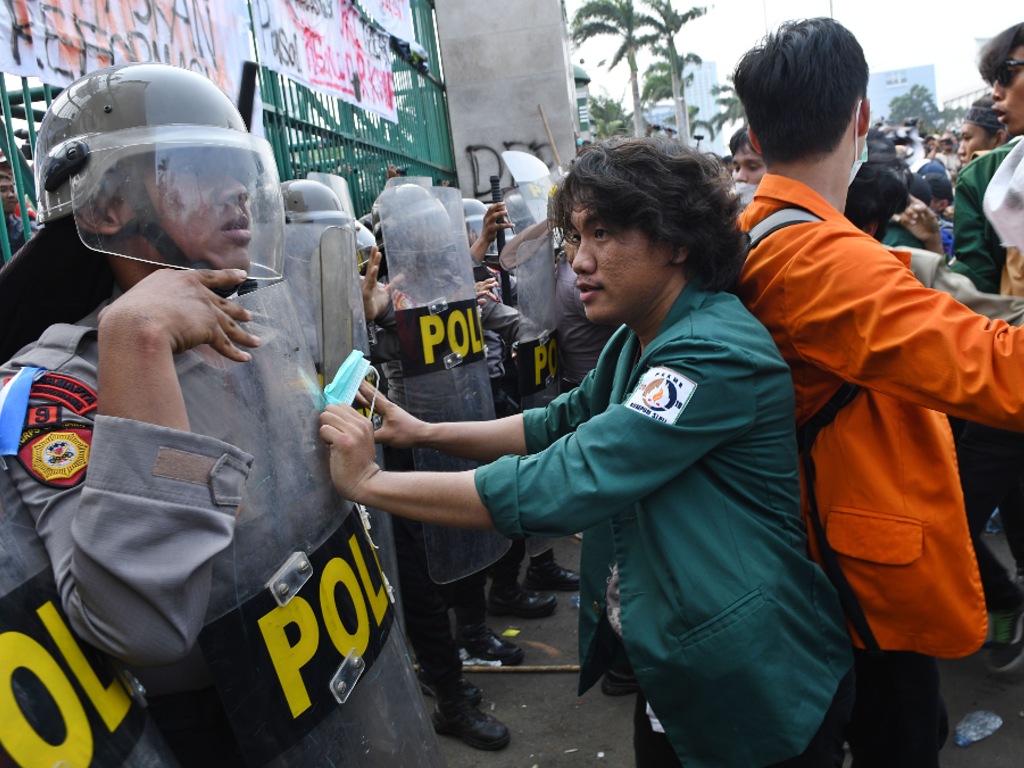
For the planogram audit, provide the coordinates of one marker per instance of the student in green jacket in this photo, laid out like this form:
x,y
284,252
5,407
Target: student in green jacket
x,y
677,458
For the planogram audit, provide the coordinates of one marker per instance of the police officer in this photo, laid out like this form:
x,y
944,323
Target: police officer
x,y
132,505
158,205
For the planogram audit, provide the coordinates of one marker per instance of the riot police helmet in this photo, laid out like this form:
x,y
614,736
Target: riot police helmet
x,y
155,164
306,200
475,211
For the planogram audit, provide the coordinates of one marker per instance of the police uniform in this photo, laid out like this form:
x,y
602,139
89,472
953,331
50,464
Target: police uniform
x,y
131,529
736,637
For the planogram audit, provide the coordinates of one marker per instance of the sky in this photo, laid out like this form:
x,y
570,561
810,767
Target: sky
x,y
893,34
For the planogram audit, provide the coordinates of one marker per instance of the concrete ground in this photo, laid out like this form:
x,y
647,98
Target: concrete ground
x,y
553,727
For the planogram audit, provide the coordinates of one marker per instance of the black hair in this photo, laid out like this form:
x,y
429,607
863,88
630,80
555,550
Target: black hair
x,y
740,141
939,185
982,115
997,50
671,192
799,88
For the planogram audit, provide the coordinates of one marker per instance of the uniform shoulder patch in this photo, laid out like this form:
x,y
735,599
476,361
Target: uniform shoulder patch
x,y
64,390
662,394
56,455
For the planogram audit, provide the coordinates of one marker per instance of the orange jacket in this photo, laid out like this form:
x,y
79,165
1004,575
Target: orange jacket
x,y
842,307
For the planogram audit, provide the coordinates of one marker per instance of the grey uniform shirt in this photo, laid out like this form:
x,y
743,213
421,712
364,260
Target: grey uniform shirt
x,y
132,536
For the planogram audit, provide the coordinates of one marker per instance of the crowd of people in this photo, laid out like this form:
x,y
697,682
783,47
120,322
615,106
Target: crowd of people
x,y
785,411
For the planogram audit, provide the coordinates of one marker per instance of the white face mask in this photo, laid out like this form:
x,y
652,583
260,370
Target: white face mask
x,y
744,191
859,157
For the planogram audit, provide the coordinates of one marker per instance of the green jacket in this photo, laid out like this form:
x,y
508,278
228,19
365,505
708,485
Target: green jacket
x,y
735,636
978,250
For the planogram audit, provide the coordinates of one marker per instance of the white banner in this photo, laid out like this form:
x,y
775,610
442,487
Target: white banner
x,y
394,15
329,46
59,41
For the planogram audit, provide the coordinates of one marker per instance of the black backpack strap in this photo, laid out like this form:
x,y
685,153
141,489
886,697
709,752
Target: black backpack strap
x,y
805,440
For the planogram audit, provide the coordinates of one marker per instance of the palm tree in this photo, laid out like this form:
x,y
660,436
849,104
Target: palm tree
x,y
607,117
596,18
657,84
667,22
658,81
732,107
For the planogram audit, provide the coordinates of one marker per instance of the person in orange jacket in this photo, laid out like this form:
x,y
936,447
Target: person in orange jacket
x,y
844,309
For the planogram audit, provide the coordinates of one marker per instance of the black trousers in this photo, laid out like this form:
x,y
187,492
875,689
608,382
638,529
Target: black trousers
x,y
426,612
653,750
991,462
899,719
196,729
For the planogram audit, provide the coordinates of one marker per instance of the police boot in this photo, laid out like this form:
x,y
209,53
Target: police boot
x,y
513,599
459,688
457,717
481,643
545,574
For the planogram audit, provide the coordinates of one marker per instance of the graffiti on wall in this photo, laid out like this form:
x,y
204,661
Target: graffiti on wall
x,y
486,161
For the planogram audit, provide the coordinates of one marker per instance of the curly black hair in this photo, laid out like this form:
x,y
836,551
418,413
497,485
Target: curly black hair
x,y
671,192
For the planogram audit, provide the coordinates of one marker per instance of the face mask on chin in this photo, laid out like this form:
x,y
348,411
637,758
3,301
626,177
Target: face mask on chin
x,y
861,157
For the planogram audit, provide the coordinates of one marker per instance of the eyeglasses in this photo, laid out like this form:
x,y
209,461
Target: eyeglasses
x,y
1004,74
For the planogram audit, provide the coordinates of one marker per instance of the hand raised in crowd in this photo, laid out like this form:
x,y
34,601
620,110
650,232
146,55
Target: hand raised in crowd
x,y
375,295
920,221
495,220
176,307
485,290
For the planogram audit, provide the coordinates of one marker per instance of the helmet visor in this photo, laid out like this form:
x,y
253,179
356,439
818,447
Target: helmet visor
x,y
190,197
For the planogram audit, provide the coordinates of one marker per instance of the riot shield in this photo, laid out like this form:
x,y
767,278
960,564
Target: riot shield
x,y
62,702
343,328
441,347
527,203
531,257
301,269
338,308
300,636
524,166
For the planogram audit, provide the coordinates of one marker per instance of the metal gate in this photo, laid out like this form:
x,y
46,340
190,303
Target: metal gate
x,y
308,130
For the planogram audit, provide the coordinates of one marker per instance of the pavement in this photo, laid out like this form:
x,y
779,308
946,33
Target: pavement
x,y
552,726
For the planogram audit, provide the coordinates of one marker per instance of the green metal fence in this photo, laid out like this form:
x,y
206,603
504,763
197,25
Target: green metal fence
x,y
308,131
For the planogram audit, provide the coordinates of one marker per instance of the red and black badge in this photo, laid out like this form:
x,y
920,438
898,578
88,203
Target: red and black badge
x,y
65,391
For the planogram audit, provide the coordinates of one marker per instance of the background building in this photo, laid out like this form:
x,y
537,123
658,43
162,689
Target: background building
x,y
883,87
510,85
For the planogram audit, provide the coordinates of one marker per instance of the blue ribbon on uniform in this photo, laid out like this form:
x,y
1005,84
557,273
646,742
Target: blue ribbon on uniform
x,y
13,407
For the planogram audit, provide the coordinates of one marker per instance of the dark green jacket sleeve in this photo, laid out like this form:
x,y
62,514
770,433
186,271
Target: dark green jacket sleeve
x,y
978,251
618,457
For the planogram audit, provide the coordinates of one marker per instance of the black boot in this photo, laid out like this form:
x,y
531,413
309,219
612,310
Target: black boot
x,y
516,601
460,718
460,688
480,642
545,574
619,682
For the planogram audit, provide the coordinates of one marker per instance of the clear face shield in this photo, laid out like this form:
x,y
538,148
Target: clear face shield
x,y
189,197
